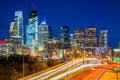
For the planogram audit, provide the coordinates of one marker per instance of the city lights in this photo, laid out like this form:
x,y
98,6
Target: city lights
x,y
59,40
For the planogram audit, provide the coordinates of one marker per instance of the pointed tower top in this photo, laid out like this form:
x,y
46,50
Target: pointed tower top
x,y
44,21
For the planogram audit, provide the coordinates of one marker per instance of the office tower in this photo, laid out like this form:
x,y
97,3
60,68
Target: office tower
x,y
17,30
32,34
103,38
79,37
118,44
65,36
72,40
43,35
50,32
19,23
91,40
13,28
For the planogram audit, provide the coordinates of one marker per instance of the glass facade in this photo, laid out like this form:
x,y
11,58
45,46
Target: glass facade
x,y
32,35
79,36
17,30
43,35
103,38
65,36
91,39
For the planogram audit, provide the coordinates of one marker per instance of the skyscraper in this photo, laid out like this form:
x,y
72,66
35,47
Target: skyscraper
x,y
17,30
65,36
91,39
103,38
79,37
32,34
43,35
19,23
13,28
50,32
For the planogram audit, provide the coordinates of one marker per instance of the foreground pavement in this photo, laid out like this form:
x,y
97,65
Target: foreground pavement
x,y
93,74
110,75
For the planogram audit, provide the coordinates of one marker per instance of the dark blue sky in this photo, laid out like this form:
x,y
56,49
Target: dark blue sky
x,y
103,14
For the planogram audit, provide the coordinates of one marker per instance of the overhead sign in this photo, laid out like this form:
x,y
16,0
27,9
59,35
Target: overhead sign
x,y
116,50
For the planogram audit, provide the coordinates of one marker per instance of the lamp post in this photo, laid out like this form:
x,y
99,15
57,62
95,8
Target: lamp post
x,y
23,66
83,56
117,69
22,52
78,52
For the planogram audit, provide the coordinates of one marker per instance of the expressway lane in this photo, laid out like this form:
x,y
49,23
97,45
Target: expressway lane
x,y
49,73
93,73
63,70
58,70
61,76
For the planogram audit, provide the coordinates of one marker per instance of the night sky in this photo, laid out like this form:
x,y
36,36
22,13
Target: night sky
x,y
103,14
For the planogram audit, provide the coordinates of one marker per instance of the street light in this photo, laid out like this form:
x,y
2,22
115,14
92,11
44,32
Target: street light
x,y
117,69
83,56
22,52
23,66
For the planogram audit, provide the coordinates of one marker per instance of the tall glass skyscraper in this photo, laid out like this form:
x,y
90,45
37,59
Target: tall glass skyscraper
x,y
43,35
19,23
17,30
65,36
32,35
103,38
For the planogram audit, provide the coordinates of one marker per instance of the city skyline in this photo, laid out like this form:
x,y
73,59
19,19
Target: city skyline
x,y
77,14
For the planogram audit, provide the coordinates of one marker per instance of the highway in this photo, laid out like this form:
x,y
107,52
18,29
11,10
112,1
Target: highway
x,y
93,74
64,70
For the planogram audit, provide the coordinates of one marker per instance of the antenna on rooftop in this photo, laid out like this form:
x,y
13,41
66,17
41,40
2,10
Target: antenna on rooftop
x,y
33,4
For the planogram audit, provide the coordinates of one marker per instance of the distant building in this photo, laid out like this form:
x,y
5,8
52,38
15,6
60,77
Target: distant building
x,y
91,39
19,23
116,56
43,35
72,40
32,35
79,37
13,28
2,47
118,44
103,38
50,32
65,36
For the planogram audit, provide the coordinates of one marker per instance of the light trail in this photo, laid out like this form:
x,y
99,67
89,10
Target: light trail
x,y
72,66
72,71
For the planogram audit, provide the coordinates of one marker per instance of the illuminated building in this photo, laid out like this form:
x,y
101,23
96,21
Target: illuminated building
x,y
65,36
79,37
116,55
17,30
43,35
71,40
91,40
19,23
12,29
103,38
2,47
32,34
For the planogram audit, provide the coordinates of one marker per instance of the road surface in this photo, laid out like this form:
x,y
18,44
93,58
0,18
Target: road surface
x,y
63,70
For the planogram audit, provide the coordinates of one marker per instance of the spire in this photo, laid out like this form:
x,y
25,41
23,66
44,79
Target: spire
x,y
44,21
33,4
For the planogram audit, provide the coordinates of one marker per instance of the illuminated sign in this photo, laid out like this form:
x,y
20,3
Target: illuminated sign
x,y
116,50
117,59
